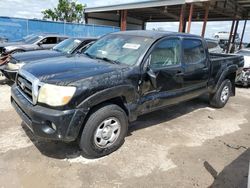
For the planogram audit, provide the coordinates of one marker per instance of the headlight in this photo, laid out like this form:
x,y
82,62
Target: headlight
x,y
55,95
16,66
9,48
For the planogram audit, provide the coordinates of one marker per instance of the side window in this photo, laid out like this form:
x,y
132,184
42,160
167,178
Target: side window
x,y
211,44
193,51
166,53
60,39
49,40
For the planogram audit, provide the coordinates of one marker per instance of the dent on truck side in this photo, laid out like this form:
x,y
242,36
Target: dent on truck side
x,y
118,84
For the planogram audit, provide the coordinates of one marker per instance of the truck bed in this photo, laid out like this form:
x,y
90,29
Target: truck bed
x,y
227,58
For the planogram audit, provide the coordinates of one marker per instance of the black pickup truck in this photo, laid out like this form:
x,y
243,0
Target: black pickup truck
x,y
93,98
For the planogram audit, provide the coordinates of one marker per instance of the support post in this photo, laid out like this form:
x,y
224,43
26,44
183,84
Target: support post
x,y
123,20
86,18
207,4
143,25
182,19
230,35
190,17
234,36
243,32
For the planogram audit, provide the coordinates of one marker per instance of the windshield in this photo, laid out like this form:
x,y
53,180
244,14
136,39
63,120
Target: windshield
x,y
67,46
32,39
243,52
124,49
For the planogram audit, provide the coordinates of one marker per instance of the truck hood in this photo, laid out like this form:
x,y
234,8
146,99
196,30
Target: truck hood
x,y
36,55
65,70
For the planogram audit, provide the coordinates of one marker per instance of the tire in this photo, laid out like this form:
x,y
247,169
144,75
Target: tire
x,y
222,95
100,127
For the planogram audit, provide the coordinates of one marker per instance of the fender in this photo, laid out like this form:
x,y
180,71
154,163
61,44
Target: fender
x,y
225,73
126,92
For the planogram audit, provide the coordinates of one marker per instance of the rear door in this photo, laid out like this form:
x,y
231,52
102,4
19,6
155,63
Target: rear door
x,y
196,66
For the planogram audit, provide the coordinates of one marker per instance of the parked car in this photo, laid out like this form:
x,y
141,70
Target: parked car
x,y
122,76
213,46
224,35
244,77
31,42
67,47
3,39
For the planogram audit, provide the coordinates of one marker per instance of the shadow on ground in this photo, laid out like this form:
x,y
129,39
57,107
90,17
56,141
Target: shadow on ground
x,y
62,150
234,175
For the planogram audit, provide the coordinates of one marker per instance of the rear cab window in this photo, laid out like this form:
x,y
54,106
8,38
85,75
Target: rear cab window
x,y
193,51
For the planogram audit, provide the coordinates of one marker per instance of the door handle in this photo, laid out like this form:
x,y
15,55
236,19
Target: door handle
x,y
179,73
205,69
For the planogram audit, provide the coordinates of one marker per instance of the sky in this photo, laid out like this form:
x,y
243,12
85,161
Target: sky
x,y
33,8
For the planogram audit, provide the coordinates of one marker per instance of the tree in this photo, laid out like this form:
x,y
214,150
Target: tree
x,y
66,10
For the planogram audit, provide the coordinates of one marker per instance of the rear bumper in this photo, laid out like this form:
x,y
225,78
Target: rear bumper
x,y
48,123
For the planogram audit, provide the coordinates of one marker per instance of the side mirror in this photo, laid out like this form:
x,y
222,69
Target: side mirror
x,y
39,43
152,77
150,73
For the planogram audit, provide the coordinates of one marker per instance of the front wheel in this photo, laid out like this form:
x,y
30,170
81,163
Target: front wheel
x,y
104,131
220,98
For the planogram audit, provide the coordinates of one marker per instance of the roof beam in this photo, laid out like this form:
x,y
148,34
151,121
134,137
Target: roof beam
x,y
137,5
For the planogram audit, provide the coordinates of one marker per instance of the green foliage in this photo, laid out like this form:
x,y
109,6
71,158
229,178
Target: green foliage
x,y
67,10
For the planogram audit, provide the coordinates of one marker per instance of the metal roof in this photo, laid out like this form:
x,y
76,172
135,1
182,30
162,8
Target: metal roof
x,y
154,34
169,10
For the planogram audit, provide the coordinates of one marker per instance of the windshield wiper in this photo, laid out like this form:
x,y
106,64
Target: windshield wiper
x,y
108,60
90,56
55,49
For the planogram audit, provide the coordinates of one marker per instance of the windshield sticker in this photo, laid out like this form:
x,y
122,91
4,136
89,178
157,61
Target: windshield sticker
x,y
77,41
131,46
103,52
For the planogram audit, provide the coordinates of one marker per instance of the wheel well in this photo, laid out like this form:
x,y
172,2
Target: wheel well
x,y
232,77
119,101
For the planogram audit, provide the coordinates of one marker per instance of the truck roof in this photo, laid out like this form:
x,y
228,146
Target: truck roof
x,y
155,34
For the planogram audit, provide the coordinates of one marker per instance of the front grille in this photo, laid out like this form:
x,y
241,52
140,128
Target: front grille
x,y
28,85
25,86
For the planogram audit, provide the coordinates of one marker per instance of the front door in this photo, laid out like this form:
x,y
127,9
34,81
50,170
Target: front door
x,y
165,65
48,42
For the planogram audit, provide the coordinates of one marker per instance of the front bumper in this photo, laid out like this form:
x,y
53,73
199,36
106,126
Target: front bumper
x,y
48,123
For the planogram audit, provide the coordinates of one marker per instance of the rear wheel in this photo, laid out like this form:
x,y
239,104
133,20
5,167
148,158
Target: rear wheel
x,y
220,98
104,131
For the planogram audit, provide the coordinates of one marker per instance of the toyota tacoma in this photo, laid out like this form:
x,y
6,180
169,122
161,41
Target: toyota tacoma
x,y
93,98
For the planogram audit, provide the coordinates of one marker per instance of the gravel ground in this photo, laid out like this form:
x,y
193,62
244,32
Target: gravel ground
x,y
188,145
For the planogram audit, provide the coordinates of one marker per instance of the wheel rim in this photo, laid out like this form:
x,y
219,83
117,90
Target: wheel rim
x,y
224,94
107,132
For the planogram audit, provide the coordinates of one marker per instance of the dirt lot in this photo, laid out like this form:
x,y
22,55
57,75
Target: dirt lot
x,y
188,145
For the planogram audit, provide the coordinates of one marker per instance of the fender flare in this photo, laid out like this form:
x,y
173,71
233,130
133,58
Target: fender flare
x,y
225,73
